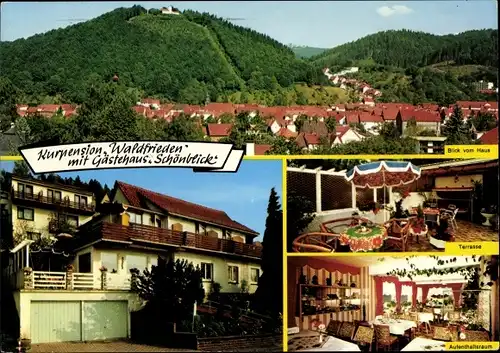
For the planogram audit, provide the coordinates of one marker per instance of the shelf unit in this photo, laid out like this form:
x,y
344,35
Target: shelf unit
x,y
323,299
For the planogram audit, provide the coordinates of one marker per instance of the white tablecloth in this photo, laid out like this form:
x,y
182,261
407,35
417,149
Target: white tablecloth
x,y
425,317
420,344
397,327
334,344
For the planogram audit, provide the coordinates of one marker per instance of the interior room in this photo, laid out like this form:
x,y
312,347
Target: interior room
x,y
411,303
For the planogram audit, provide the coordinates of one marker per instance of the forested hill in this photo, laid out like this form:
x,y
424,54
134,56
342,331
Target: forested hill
x,y
405,48
176,57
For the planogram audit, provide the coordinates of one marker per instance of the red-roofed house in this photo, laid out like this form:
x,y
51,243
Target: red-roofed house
x,y
218,131
490,137
150,103
345,134
139,224
48,110
286,133
429,120
371,122
369,101
252,149
309,141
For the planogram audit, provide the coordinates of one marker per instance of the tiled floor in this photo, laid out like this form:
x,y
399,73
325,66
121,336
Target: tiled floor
x,y
466,232
116,346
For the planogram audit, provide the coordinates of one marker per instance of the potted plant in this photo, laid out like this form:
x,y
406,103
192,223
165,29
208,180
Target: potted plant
x,y
489,213
103,269
70,267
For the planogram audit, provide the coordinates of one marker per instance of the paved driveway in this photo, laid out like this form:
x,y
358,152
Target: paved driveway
x,y
114,346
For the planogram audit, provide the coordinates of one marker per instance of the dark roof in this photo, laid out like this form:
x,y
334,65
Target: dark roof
x,y
135,195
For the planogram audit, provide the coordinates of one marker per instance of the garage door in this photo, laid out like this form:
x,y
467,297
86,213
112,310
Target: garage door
x,y
104,320
63,321
55,321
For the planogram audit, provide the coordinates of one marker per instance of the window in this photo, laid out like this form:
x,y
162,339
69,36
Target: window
x,y
197,228
254,275
207,271
83,201
136,261
153,261
50,194
77,199
110,261
25,190
29,191
226,234
72,220
34,235
27,214
57,196
233,274
84,263
135,218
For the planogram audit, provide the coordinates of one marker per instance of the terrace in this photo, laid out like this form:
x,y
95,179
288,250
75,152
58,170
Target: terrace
x,y
445,202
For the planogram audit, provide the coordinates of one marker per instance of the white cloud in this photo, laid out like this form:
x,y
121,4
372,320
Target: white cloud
x,y
387,11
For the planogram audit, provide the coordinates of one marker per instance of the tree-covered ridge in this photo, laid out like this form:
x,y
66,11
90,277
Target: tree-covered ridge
x,y
405,48
255,55
170,57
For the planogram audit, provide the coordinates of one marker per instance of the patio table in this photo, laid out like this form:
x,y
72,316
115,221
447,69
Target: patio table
x,y
364,237
334,344
397,327
424,344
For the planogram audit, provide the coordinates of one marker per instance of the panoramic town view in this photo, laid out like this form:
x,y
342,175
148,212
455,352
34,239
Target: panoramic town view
x,y
191,73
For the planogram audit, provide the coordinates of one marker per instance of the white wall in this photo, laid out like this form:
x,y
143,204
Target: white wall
x,y
24,298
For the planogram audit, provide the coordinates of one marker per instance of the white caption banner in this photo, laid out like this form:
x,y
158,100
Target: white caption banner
x,y
201,156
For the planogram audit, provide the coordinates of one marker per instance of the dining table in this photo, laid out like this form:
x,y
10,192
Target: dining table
x,y
424,344
364,237
334,344
396,326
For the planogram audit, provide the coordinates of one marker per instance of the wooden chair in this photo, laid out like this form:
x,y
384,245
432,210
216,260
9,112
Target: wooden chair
x,y
346,331
413,316
383,337
398,231
477,336
333,328
364,337
454,316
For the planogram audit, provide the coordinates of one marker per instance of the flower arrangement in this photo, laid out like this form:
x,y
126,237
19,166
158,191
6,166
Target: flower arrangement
x,y
320,327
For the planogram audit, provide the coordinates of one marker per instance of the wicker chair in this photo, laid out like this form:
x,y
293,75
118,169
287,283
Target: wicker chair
x,y
364,337
398,231
383,337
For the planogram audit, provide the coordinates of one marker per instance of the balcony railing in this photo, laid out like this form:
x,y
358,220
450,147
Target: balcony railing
x,y
69,280
64,202
138,232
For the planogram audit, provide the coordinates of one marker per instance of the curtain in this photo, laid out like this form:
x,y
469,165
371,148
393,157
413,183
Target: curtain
x,y
379,296
425,291
398,295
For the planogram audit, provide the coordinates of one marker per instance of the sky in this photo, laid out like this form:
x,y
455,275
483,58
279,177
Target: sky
x,y
243,195
323,24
